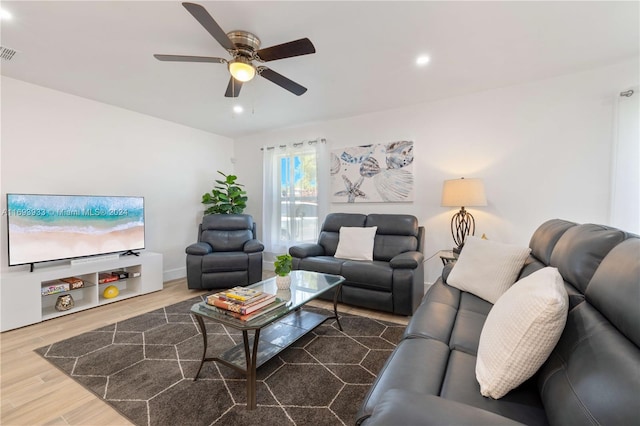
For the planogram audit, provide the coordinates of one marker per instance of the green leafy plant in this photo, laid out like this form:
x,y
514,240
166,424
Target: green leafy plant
x,y
227,197
283,264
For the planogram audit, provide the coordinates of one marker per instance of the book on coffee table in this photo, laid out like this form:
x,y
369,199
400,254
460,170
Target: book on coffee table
x,y
241,295
275,304
255,304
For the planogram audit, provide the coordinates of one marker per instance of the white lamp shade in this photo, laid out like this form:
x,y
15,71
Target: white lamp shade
x,y
463,193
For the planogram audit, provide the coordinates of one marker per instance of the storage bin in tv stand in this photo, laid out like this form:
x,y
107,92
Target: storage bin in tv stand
x,y
22,302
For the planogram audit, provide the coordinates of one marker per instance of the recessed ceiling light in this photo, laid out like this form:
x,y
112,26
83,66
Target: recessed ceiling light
x,y
238,109
5,15
422,60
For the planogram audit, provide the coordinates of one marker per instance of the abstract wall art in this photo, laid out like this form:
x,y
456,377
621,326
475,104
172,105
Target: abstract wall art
x,y
376,173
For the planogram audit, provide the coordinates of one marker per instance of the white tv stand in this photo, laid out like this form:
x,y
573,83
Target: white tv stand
x,y
22,302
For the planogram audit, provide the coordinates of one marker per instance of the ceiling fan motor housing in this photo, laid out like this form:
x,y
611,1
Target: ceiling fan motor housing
x,y
245,42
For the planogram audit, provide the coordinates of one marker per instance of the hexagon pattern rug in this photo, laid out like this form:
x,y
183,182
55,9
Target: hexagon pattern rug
x,y
144,368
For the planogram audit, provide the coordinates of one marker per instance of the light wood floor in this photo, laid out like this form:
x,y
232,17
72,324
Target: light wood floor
x,y
33,392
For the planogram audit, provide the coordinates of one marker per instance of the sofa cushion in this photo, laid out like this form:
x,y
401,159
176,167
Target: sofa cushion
x,y
394,224
416,365
615,288
521,404
580,250
225,261
520,332
396,234
356,243
367,298
592,376
231,222
223,240
334,221
466,331
388,246
400,407
436,315
487,268
324,264
372,275
544,238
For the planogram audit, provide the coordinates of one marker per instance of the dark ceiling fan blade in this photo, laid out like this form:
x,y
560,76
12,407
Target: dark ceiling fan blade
x,y
282,81
209,24
233,88
182,58
287,50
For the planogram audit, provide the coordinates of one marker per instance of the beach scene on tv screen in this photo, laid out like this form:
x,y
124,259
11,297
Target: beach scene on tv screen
x,y
51,227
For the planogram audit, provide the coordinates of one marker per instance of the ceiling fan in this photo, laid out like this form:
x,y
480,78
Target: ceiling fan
x,y
244,48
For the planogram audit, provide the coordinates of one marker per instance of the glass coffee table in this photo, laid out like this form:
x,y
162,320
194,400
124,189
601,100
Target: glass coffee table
x,y
278,328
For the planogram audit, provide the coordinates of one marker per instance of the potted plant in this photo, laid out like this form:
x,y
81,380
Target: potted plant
x,y
283,265
227,197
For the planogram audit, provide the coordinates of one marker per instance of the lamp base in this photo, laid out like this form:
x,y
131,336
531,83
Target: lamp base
x,y
462,224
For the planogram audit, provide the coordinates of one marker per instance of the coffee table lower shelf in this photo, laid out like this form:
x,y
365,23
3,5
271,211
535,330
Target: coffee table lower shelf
x,y
246,357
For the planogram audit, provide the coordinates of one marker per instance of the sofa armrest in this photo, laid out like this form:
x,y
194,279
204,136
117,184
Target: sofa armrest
x,y
199,249
407,260
401,407
306,250
253,246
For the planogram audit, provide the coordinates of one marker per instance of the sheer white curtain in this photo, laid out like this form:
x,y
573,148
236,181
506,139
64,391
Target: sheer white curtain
x,y
625,179
295,193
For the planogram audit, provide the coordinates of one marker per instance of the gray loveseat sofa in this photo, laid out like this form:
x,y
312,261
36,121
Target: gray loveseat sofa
x,y
592,377
392,282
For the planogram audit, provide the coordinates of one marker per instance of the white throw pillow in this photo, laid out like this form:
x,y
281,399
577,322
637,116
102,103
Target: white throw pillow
x,y
487,268
520,332
356,243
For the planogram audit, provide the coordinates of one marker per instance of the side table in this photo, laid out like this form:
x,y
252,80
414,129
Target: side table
x,y
448,256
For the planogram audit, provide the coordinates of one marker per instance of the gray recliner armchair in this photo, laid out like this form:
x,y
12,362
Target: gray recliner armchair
x,y
227,253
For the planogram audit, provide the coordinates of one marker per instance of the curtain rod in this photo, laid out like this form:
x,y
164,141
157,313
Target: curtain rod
x,y
296,144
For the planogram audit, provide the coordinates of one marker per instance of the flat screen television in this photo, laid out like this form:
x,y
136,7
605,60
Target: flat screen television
x,y
44,228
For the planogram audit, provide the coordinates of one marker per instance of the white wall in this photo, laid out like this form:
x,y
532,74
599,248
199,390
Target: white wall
x,y
543,150
57,143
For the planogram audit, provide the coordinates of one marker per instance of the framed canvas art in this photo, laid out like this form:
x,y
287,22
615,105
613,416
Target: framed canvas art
x,y
376,173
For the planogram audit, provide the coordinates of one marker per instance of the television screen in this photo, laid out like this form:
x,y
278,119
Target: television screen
x,y
53,227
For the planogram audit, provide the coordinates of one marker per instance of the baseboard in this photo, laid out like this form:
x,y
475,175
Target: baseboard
x,y
174,274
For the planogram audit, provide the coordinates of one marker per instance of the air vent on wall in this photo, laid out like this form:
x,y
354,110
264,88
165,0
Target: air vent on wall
x,y
6,53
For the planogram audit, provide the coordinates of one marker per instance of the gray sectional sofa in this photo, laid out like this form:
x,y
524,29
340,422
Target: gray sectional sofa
x,y
393,281
592,377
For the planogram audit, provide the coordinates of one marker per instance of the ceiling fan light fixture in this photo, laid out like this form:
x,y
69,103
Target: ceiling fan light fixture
x,y
241,69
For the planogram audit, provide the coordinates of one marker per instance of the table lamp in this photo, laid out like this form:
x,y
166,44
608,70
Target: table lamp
x,y
463,193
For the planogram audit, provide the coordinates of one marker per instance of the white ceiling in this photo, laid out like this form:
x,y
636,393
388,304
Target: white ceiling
x,y
364,61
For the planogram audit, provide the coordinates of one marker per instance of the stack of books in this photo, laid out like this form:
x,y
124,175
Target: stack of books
x,y
61,285
107,277
243,303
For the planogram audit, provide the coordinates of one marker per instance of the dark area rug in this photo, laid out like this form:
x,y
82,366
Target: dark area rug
x,y
144,368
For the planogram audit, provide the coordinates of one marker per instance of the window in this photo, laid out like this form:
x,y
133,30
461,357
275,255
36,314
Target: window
x,y
298,197
625,187
291,208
